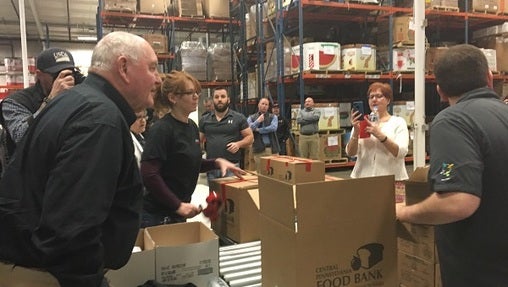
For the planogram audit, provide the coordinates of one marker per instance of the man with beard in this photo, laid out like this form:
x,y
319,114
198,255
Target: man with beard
x,y
224,131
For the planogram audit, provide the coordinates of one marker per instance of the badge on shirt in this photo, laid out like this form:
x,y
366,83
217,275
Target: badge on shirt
x,y
446,171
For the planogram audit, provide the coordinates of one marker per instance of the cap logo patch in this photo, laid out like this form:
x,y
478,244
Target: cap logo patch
x,y
61,56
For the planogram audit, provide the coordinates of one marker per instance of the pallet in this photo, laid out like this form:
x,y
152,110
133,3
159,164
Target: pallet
x,y
485,11
323,72
445,8
342,160
332,132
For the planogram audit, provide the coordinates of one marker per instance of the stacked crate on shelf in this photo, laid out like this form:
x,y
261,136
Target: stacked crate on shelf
x,y
220,62
11,75
317,56
484,6
126,6
193,55
495,38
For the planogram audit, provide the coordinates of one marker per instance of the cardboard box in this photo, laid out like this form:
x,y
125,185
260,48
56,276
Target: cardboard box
x,y
432,55
190,8
359,57
216,8
317,56
417,240
292,169
220,185
489,6
330,146
417,187
503,6
184,253
416,272
500,44
158,42
242,213
406,110
403,33
328,233
153,6
139,268
121,5
329,119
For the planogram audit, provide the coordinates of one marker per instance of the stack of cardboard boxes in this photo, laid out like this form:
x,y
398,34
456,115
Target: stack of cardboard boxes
x,y
325,232
417,253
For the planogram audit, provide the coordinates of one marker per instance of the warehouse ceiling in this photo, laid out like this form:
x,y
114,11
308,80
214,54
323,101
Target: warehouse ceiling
x,y
49,20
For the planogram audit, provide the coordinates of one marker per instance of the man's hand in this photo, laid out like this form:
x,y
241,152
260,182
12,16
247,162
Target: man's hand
x,y
261,118
233,147
63,81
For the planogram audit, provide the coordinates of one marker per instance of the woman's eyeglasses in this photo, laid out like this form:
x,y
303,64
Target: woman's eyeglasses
x,y
377,96
188,93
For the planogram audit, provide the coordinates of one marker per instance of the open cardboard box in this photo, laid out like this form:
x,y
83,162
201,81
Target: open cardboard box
x,y
139,268
184,253
328,233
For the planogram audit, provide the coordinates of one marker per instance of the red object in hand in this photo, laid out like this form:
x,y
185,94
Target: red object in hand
x,y
214,202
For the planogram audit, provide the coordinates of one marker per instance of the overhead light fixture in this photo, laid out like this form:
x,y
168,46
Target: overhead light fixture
x,y
87,38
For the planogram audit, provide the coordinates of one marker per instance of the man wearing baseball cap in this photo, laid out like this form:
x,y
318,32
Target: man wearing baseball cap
x,y
54,74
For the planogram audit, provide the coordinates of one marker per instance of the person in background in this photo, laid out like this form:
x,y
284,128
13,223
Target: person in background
x,y
283,129
75,168
137,129
208,105
264,126
54,73
384,151
467,174
308,119
225,132
172,160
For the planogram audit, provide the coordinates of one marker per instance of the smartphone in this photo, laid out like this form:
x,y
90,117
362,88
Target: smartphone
x,y
358,106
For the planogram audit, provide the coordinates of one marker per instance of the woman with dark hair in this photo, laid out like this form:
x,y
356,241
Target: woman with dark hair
x,y
172,159
383,151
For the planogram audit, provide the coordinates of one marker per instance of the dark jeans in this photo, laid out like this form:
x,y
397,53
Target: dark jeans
x,y
150,219
283,150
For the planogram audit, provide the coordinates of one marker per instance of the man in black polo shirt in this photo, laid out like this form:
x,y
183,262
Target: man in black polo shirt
x,y
224,131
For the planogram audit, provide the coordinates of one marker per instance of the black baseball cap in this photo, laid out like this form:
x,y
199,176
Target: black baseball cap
x,y
54,60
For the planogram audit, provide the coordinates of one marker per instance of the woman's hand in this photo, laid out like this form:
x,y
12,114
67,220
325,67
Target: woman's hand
x,y
355,121
225,165
188,210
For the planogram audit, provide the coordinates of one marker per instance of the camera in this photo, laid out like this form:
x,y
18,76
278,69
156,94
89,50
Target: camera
x,y
76,74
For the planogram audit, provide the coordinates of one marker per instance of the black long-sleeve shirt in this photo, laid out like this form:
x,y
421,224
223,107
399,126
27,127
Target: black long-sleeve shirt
x,y
70,201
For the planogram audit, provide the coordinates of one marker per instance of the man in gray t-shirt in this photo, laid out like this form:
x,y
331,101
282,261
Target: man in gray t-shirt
x,y
224,131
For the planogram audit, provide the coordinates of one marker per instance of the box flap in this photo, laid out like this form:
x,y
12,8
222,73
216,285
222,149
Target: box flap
x,y
419,174
177,234
276,200
332,202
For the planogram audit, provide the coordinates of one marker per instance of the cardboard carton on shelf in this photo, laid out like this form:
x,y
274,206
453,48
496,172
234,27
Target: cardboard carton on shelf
x,y
129,6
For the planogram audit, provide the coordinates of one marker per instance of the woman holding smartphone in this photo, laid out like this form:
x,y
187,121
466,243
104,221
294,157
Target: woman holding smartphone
x,y
384,150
